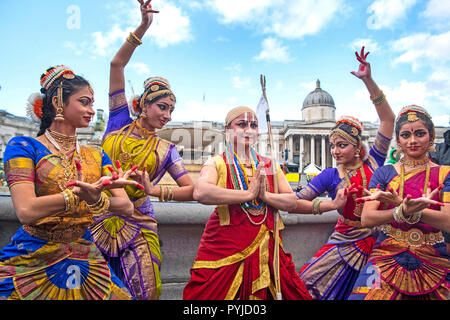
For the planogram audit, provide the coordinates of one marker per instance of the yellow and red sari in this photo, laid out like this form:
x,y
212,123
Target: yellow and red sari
x,y
235,256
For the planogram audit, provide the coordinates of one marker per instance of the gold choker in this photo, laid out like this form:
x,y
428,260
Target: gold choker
x,y
67,143
144,132
415,163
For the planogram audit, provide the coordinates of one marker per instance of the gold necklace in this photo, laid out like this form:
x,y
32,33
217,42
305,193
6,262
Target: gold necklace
x,y
358,206
69,167
402,179
415,163
67,143
124,156
144,132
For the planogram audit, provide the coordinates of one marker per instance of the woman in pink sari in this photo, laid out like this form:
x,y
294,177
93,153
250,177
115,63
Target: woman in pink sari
x,y
410,202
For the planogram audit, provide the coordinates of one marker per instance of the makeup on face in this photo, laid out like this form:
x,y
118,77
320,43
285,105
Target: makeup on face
x,y
342,151
414,139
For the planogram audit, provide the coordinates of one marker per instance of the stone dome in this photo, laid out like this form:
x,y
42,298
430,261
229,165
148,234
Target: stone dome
x,y
318,97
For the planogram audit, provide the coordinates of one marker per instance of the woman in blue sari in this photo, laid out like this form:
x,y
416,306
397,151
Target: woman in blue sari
x,y
56,187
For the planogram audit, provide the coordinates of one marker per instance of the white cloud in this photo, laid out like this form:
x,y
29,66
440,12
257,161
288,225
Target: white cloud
x,y
423,49
140,68
385,13
437,9
170,26
369,44
240,83
273,50
291,19
104,42
437,102
240,11
311,85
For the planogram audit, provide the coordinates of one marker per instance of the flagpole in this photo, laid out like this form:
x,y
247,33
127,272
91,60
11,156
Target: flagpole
x,y
276,253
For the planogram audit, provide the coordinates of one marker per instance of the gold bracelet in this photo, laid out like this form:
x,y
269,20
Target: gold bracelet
x,y
70,201
100,206
170,196
379,99
134,40
316,206
161,195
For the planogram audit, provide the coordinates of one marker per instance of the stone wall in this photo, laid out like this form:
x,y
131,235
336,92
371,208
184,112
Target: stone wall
x,y
180,228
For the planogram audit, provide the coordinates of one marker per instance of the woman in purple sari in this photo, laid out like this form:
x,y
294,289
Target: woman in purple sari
x,y
332,271
410,203
131,244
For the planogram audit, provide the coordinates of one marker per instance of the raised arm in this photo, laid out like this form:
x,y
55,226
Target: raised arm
x,y
122,57
382,106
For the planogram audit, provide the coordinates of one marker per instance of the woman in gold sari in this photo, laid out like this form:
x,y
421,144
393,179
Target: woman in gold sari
x,y
131,244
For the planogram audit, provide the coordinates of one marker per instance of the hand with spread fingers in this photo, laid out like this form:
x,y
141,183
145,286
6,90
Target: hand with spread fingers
x,y
411,205
364,67
90,192
341,198
390,196
142,177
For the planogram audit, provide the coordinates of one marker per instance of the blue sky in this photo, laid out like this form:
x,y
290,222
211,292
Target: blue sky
x,y
216,50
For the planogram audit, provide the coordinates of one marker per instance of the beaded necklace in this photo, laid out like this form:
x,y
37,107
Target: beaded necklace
x,y
239,179
240,175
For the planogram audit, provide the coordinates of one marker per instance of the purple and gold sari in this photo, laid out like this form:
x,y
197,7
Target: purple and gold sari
x,y
131,244
408,261
332,271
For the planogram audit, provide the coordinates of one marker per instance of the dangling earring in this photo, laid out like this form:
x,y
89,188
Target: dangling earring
x,y
431,148
144,113
357,153
60,103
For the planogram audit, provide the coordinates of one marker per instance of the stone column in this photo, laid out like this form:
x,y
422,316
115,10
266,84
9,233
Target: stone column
x,y
291,148
323,158
302,152
313,150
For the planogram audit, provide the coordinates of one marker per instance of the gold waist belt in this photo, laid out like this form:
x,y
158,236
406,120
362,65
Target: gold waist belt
x,y
60,235
353,223
414,237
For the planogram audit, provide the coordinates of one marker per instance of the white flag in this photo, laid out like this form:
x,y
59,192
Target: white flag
x,y
261,110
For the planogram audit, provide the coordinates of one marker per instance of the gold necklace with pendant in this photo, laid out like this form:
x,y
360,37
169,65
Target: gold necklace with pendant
x,y
124,156
67,164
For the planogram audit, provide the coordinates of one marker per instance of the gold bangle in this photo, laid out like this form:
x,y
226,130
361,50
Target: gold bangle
x,y
316,206
170,196
161,195
378,99
70,201
134,40
100,206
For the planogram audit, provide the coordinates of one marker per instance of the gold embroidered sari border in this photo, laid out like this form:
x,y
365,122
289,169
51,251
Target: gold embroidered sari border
x,y
239,256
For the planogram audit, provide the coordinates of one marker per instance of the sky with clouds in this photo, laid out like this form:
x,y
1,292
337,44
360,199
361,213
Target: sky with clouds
x,y
213,51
